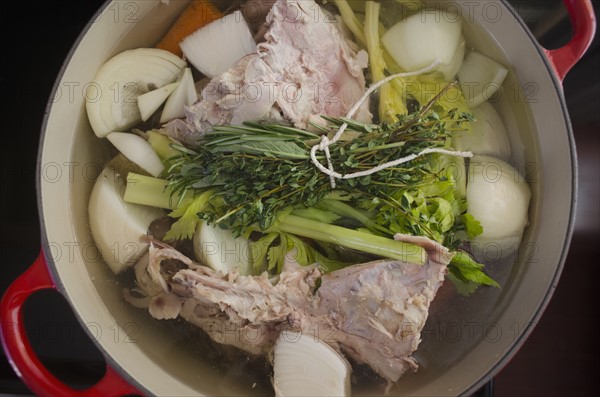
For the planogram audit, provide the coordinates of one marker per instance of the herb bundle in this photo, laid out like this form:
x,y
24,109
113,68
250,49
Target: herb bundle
x,y
258,180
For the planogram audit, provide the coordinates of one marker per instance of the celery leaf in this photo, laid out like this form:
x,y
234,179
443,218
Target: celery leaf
x,y
472,225
188,217
465,269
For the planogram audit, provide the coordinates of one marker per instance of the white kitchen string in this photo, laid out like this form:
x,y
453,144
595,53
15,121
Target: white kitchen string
x,y
326,142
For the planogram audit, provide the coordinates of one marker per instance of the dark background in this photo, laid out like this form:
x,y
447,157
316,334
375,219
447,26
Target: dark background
x,y
560,357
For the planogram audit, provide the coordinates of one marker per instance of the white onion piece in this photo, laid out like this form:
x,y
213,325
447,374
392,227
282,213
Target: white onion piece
x,y
487,136
184,95
111,99
219,250
116,225
149,102
137,150
450,69
417,41
498,197
216,47
480,77
306,366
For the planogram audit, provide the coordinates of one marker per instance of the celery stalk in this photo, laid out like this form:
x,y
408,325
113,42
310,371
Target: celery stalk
x,y
161,145
147,190
351,21
352,239
377,64
391,99
342,209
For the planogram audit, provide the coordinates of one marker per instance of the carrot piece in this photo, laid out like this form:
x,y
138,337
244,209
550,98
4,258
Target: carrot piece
x,y
197,14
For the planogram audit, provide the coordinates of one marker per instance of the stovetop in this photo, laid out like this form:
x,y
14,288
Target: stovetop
x,y
559,357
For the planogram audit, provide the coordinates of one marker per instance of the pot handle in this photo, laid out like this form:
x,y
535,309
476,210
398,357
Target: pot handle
x,y
20,353
581,13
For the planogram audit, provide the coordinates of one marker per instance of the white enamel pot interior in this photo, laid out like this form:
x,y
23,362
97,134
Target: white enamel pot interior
x,y
463,344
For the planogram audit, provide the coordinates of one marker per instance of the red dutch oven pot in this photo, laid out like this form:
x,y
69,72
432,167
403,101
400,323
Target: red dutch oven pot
x,y
144,368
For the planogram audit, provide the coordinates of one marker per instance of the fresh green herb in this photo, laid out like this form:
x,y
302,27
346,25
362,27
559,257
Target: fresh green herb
x,y
262,170
185,226
472,225
468,274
